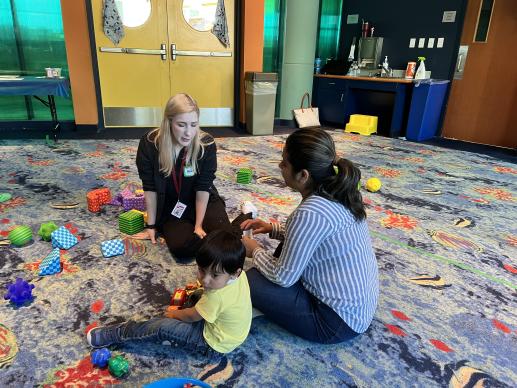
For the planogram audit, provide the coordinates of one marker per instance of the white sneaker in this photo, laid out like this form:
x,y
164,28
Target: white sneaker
x,y
248,207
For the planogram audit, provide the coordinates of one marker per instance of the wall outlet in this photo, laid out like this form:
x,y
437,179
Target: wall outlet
x,y
412,42
421,42
440,42
430,43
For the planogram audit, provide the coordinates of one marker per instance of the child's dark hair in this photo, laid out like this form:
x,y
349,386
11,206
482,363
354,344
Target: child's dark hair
x,y
313,149
221,250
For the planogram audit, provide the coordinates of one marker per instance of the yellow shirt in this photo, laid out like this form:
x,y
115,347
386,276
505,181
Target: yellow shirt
x,y
227,315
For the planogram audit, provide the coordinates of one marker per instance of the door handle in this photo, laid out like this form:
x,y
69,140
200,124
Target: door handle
x,y
461,61
341,100
460,58
192,53
127,50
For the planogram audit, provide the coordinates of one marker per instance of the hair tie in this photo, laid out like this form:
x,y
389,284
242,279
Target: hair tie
x,y
335,164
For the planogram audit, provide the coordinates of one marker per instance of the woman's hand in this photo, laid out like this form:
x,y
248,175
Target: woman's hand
x,y
146,234
250,245
199,231
257,225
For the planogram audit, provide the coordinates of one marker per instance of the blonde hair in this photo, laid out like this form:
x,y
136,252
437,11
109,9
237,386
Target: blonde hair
x,y
164,141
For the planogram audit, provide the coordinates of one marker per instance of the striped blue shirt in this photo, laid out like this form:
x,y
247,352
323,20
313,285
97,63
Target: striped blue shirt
x,y
331,254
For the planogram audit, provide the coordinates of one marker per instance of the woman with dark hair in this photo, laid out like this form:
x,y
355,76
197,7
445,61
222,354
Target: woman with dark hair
x,y
322,282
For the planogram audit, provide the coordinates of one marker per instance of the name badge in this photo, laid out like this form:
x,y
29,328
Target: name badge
x,y
179,209
188,171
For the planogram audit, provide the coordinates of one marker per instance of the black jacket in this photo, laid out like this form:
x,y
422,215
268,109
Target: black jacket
x,y
154,180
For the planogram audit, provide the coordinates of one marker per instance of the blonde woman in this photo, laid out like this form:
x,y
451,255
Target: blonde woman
x,y
177,164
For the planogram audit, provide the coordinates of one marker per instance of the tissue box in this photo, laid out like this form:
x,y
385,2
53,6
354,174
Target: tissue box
x,y
112,248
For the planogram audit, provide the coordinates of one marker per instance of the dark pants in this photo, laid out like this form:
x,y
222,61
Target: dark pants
x,y
179,234
297,310
187,335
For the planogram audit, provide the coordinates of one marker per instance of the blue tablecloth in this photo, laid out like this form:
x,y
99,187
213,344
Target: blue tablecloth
x,y
34,86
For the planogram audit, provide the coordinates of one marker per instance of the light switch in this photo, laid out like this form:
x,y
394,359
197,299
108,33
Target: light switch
x,y
412,43
430,43
421,42
439,44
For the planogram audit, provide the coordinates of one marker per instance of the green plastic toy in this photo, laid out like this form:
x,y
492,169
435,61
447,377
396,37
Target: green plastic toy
x,y
131,222
4,197
118,366
20,235
245,175
46,229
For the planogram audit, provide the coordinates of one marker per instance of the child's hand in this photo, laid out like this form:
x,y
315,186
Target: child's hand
x,y
250,245
171,312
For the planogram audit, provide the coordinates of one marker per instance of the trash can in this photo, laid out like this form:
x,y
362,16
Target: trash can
x,y
426,109
260,102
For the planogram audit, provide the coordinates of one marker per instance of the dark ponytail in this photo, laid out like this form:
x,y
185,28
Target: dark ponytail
x,y
335,179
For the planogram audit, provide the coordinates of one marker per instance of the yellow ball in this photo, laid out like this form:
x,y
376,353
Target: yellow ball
x,y
373,184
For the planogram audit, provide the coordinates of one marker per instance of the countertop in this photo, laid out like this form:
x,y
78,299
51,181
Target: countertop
x,y
374,79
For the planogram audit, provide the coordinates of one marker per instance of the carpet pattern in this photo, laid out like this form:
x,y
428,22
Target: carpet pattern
x,y
443,226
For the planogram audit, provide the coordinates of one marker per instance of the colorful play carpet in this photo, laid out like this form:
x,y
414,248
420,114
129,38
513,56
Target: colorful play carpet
x,y
444,228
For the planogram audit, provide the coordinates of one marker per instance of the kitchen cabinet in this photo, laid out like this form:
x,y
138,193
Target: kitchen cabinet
x,y
329,95
338,97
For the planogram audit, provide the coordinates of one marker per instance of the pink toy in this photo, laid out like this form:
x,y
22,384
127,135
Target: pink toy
x,y
130,198
134,201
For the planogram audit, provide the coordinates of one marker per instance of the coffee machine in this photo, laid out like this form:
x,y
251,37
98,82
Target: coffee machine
x,y
369,52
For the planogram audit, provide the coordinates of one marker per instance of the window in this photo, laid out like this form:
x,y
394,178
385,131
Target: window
x,y
31,38
200,14
484,17
133,13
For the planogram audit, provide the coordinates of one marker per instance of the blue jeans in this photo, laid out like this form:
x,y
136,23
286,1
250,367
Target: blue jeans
x,y
185,334
297,310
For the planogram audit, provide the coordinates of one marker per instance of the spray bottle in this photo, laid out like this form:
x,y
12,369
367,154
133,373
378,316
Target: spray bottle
x,y
420,72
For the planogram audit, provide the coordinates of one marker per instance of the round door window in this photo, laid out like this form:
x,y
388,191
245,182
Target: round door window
x,y
200,14
133,13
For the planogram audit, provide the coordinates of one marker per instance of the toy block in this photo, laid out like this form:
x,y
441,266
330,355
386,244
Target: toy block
x,y
51,264
131,222
244,175
62,238
112,248
133,202
98,197
362,124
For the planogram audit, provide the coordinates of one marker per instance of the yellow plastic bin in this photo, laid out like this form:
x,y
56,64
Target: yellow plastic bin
x,y
362,124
